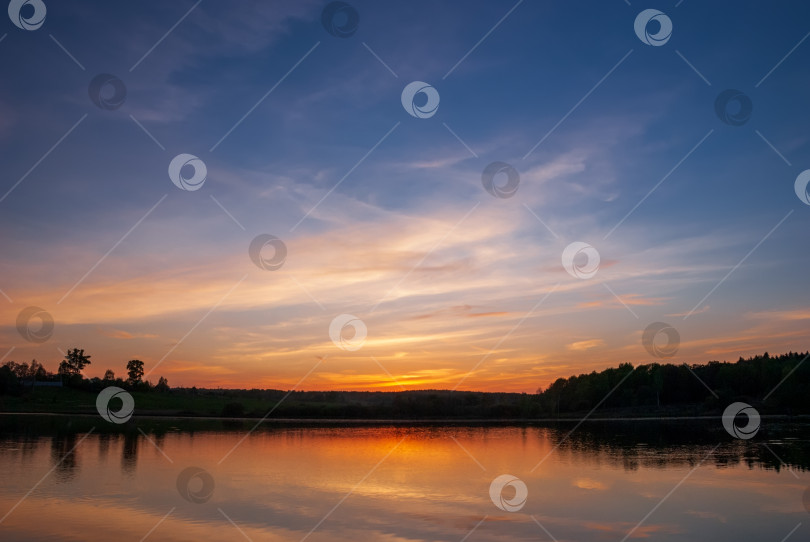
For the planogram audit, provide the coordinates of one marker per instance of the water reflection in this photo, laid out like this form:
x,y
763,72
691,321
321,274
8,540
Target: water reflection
x,y
65,456
634,445
399,482
104,441
129,452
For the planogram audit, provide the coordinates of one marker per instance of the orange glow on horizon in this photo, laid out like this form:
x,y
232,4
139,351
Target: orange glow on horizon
x,y
202,325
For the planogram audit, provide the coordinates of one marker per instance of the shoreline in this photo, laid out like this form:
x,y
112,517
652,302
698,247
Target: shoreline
x,y
413,421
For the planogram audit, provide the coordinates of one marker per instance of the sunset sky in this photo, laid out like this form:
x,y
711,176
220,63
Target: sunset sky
x,y
384,215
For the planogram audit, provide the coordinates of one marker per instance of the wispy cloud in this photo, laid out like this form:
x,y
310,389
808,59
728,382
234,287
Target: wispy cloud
x,y
586,345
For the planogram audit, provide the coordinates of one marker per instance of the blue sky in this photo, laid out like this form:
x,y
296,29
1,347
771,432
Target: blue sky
x,y
446,277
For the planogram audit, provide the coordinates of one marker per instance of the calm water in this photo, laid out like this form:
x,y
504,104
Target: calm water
x,y
398,483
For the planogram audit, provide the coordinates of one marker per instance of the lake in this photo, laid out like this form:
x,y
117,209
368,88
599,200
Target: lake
x,y
72,478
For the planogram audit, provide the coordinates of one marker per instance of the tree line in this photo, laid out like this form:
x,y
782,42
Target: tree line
x,y
17,377
773,384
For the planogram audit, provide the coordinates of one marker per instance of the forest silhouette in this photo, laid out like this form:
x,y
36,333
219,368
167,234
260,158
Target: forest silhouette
x,y
772,384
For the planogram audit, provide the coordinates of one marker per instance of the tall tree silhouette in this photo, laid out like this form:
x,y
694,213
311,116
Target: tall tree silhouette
x,y
74,363
134,371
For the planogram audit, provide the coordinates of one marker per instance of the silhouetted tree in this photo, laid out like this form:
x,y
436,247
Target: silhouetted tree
x,y
36,371
162,385
25,372
134,371
8,380
19,370
109,375
74,363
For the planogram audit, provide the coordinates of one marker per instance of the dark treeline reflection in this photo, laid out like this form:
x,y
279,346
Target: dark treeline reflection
x,y
64,454
104,441
129,452
656,444
629,444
